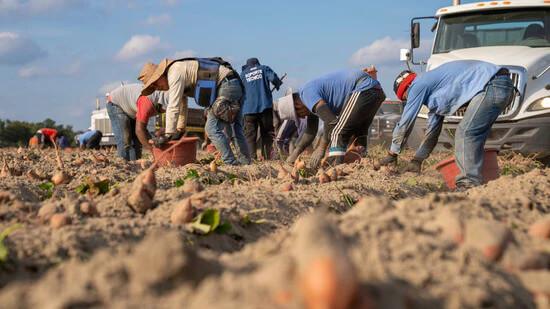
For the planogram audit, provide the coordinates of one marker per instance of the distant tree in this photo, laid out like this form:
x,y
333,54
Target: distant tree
x,y
17,133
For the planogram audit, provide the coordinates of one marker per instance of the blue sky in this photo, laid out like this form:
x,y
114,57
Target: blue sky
x,y
58,56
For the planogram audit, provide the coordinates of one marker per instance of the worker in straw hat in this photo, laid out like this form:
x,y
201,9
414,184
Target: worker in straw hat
x,y
486,89
214,85
346,101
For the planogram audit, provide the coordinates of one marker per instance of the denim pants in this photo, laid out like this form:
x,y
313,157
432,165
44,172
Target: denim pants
x,y
127,143
474,128
232,90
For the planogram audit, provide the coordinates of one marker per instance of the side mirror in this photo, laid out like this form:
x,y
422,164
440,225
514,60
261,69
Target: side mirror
x,y
415,35
405,54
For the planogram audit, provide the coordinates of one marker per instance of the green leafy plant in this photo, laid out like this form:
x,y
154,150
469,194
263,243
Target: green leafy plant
x,y
4,252
191,174
94,187
47,187
348,200
209,221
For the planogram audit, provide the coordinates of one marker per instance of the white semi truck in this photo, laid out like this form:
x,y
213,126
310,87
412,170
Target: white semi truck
x,y
514,34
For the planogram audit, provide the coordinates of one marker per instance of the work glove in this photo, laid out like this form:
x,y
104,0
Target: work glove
x,y
415,166
335,160
159,141
177,136
316,157
391,158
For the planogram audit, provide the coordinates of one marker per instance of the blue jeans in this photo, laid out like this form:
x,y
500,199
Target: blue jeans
x,y
127,143
474,128
215,127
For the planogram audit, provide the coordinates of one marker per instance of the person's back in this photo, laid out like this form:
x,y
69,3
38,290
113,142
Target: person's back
x,y
125,97
258,104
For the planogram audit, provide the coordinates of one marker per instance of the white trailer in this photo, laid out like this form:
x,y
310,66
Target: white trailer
x,y
514,34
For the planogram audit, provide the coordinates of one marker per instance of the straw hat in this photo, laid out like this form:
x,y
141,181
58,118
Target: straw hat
x,y
150,73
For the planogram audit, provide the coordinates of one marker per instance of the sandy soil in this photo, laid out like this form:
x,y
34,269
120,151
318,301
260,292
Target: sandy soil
x,y
398,240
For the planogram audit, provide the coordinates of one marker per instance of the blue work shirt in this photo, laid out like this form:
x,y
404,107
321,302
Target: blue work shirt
x,y
443,90
256,80
336,88
84,137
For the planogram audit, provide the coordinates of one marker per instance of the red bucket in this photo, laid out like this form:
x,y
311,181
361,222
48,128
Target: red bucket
x,y
490,170
184,153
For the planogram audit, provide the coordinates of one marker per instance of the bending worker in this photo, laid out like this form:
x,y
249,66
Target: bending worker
x,y
258,105
346,101
122,107
213,84
485,88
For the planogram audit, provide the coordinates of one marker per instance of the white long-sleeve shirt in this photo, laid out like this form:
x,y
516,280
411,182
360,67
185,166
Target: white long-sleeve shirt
x,y
182,79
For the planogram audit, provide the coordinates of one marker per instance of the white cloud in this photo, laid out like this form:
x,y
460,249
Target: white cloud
x,y
188,53
38,6
381,51
32,72
72,69
110,86
139,45
159,20
16,50
171,2
386,51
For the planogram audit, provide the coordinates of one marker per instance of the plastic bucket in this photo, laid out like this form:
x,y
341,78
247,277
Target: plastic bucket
x,y
490,170
184,153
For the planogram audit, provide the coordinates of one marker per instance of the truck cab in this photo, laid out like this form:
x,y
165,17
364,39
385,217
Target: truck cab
x,y
512,34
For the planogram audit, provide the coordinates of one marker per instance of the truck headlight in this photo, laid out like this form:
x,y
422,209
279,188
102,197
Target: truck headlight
x,y
540,104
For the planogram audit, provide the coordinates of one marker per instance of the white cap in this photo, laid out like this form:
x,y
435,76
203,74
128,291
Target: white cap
x,y
286,108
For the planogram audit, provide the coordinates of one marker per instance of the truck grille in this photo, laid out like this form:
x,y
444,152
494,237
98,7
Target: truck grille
x,y
508,110
103,125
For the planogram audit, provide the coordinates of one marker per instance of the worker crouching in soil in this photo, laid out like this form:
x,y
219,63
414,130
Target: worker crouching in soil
x,y
486,89
90,139
214,85
122,107
346,101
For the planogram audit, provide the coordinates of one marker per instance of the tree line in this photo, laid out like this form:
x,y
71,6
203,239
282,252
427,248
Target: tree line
x,y
15,133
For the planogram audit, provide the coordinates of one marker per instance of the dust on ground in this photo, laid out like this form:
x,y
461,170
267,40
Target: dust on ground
x,y
408,241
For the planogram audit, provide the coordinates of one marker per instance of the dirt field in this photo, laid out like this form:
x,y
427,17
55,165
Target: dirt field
x,y
370,239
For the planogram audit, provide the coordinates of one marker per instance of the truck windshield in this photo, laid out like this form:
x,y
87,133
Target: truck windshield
x,y
525,27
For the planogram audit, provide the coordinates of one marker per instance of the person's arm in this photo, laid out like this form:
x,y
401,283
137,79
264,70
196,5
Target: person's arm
x,y
433,130
273,78
306,139
143,134
329,118
417,95
175,100
145,110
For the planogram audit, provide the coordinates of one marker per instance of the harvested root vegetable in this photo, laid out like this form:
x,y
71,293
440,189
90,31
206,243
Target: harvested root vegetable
x,y
213,167
376,165
20,150
88,208
541,228
59,220
79,161
33,175
287,187
323,177
143,191
61,177
46,212
192,186
325,274
299,164
333,174
282,173
182,213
